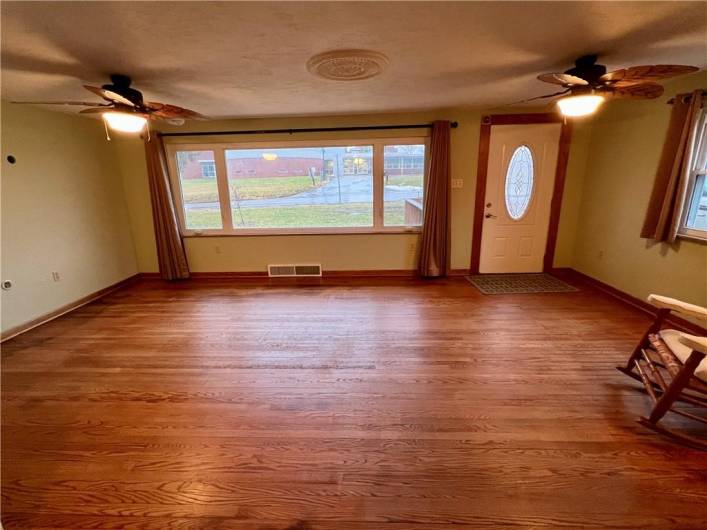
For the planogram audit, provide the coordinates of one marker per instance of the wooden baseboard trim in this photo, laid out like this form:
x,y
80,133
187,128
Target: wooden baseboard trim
x,y
389,273
572,275
369,273
149,275
239,275
67,308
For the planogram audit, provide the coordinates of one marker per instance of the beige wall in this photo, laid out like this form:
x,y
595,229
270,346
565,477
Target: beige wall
x,y
624,149
63,209
336,252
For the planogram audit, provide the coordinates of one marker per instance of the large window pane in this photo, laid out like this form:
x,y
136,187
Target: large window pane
x,y
197,181
301,187
403,180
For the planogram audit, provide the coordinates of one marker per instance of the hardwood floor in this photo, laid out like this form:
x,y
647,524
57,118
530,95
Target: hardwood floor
x,y
367,404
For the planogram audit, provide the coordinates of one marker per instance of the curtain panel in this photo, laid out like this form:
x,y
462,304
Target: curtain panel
x,y
434,247
668,196
170,248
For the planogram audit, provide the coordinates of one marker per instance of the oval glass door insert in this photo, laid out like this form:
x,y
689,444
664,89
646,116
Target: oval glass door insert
x,y
519,182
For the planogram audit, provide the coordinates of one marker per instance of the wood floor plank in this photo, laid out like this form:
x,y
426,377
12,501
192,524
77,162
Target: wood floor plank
x,y
351,404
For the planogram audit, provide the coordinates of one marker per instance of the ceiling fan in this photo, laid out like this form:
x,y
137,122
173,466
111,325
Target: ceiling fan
x,y
587,84
124,108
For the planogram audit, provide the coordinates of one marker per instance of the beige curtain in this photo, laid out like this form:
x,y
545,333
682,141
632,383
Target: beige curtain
x,y
170,250
434,247
665,206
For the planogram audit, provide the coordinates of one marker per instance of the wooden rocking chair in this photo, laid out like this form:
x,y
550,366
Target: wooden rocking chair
x,y
672,367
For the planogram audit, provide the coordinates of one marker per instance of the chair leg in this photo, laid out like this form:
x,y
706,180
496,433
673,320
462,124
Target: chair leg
x,y
676,387
669,397
660,316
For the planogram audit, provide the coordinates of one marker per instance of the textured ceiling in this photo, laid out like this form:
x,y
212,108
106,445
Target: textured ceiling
x,y
233,59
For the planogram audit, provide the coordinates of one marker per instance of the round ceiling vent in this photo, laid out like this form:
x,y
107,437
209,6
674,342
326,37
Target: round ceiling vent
x,y
347,65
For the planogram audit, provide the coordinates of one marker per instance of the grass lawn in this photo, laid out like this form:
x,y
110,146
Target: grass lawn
x,y
205,190
311,216
404,180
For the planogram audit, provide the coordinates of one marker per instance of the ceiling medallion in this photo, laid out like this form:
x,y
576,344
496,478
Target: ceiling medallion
x,y
347,65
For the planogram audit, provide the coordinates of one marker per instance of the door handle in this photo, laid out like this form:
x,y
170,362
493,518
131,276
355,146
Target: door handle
x,y
490,216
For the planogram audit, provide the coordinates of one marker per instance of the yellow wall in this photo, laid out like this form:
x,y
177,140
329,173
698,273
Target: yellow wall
x,y
80,205
624,149
63,210
336,252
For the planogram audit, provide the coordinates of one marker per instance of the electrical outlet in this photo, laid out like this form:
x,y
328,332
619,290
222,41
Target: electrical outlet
x,y
600,254
217,249
457,184
56,276
411,247
7,285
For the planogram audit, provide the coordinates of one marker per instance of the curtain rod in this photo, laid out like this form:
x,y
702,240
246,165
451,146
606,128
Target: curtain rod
x,y
671,101
453,125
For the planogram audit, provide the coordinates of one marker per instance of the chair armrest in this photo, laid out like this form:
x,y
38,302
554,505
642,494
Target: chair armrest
x,y
684,308
695,343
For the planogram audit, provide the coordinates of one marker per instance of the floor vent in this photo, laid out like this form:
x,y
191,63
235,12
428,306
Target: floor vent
x,y
294,270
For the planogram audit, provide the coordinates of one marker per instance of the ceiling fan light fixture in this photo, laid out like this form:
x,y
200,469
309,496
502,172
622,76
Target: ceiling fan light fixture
x,y
125,121
578,106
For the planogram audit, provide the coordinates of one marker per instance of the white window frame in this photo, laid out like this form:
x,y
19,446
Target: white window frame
x,y
699,137
219,150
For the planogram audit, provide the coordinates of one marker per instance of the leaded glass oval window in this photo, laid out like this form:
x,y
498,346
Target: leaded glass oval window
x,y
519,182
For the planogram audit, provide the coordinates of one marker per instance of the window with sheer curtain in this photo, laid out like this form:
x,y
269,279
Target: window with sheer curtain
x,y
694,216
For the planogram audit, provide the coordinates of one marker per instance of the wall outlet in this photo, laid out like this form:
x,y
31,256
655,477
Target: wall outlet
x,y
412,247
7,285
217,249
600,255
56,276
457,184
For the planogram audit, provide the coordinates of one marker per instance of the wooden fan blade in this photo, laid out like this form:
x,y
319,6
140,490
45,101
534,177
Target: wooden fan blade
x,y
163,110
637,91
109,96
562,79
540,97
96,109
172,121
641,74
81,103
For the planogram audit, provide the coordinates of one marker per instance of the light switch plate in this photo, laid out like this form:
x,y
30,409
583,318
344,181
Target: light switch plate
x,y
457,184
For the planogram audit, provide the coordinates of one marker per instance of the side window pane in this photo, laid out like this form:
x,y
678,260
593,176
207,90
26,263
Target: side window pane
x,y
403,181
696,203
697,212
197,180
301,187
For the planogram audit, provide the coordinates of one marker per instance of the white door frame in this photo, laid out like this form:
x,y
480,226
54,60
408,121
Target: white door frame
x,y
487,123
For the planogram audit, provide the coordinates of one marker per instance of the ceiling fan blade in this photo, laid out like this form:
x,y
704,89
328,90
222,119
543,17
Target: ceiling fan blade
x,y
637,91
109,96
165,111
96,109
562,79
81,103
539,97
641,74
171,121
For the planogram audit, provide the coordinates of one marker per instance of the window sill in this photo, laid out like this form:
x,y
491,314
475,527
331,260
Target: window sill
x,y
304,232
694,238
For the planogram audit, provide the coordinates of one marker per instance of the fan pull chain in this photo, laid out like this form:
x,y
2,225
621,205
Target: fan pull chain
x,y
105,126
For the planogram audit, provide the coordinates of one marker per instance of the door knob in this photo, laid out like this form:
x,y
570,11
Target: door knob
x,y
490,216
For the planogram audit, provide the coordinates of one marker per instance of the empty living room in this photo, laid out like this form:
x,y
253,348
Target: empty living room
x,y
386,265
